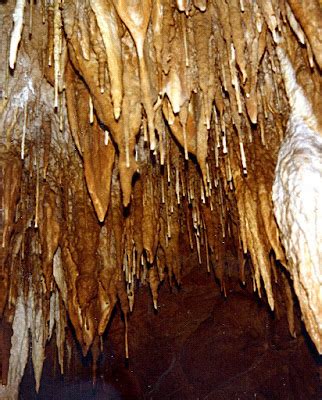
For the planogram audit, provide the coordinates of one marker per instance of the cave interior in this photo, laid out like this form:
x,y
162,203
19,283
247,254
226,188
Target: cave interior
x,y
160,199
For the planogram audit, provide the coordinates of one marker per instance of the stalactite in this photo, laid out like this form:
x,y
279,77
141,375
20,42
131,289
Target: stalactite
x,y
131,120
137,17
57,48
110,31
201,81
18,17
50,234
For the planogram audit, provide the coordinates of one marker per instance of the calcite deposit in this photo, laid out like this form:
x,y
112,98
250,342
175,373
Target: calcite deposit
x,y
131,130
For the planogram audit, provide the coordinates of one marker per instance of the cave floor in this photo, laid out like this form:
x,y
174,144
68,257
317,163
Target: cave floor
x,y
199,345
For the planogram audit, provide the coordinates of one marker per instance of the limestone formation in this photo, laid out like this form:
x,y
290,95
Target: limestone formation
x,y
130,129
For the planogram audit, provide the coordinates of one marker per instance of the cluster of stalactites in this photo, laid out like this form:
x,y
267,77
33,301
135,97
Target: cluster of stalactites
x,y
207,71
177,110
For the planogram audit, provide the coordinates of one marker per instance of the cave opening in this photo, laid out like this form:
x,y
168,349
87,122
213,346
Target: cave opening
x,y
160,199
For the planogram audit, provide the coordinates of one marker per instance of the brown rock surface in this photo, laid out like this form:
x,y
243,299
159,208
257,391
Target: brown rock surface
x,y
198,345
140,139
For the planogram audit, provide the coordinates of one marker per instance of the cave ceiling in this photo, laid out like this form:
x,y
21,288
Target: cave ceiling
x,y
135,134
